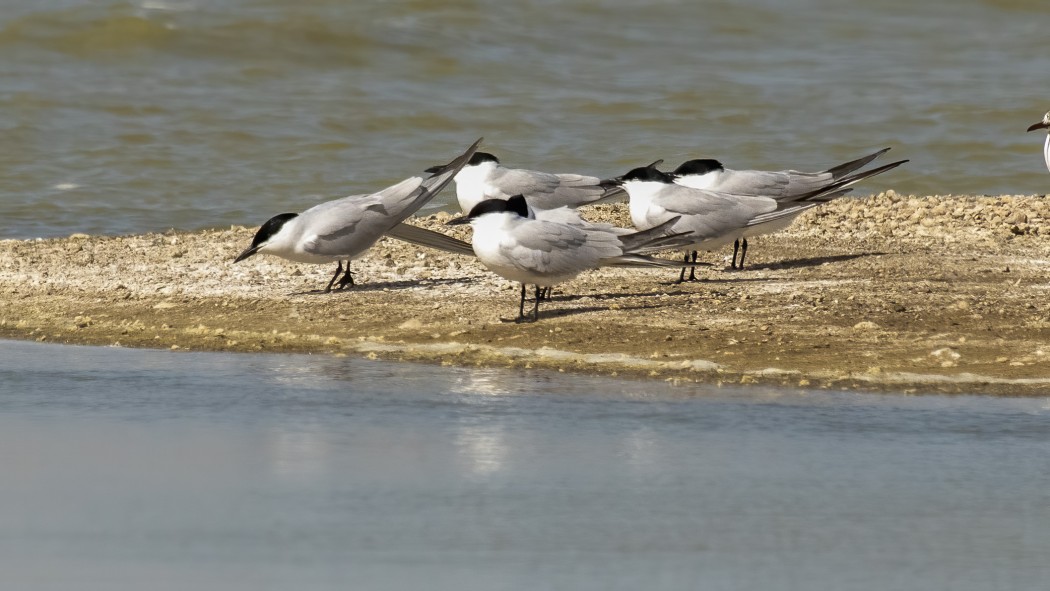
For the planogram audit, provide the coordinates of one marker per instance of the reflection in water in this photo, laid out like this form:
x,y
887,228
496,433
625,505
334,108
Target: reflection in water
x,y
482,449
303,376
641,449
300,455
480,382
174,471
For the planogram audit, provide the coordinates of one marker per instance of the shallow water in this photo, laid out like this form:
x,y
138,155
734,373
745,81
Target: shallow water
x,y
130,116
130,469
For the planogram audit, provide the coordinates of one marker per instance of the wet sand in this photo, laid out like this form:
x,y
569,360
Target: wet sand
x,y
889,293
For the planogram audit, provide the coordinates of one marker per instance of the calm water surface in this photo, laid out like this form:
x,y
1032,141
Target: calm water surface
x,y
158,470
127,116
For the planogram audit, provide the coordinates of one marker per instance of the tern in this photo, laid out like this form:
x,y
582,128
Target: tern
x,y
782,184
543,252
712,218
345,228
485,178
1044,124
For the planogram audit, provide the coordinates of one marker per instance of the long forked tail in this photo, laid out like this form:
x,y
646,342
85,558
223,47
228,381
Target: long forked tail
x,y
443,175
836,188
430,239
845,168
422,191
656,239
437,181
795,209
612,193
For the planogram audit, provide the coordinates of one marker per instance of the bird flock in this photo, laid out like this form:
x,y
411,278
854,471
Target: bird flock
x,y
526,228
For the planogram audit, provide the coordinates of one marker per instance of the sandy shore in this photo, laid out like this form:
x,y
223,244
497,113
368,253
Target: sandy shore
x,y
893,293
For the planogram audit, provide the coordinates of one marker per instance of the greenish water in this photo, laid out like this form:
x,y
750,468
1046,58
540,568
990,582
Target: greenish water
x,y
128,116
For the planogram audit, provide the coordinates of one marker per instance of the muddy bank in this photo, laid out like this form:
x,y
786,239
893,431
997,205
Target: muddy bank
x,y
895,293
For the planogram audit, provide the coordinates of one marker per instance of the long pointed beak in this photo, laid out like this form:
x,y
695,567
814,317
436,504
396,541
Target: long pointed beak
x,y
460,221
1040,125
247,253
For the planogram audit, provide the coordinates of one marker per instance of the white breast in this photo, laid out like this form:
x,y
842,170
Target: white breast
x,y
640,202
1046,151
700,181
473,185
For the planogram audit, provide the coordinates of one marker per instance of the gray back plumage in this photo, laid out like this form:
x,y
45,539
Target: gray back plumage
x,y
786,184
545,190
706,214
348,226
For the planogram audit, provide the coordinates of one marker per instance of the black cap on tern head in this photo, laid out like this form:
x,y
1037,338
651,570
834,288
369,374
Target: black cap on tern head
x,y
515,204
266,231
698,166
476,159
481,157
518,205
648,173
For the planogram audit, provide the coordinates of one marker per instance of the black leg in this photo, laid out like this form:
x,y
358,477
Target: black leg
x,y
681,276
736,247
743,251
692,270
348,278
536,306
338,270
521,304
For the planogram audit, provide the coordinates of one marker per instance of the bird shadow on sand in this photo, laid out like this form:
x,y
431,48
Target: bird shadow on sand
x,y
568,297
717,280
729,275
386,285
815,261
546,313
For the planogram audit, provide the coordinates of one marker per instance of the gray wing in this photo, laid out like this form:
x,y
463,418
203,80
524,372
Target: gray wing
x,y
348,226
547,191
431,239
778,184
786,184
631,241
565,215
706,214
655,239
558,249
752,182
840,186
845,168
787,212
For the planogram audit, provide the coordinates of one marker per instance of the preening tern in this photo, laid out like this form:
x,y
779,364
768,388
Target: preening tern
x,y
345,228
